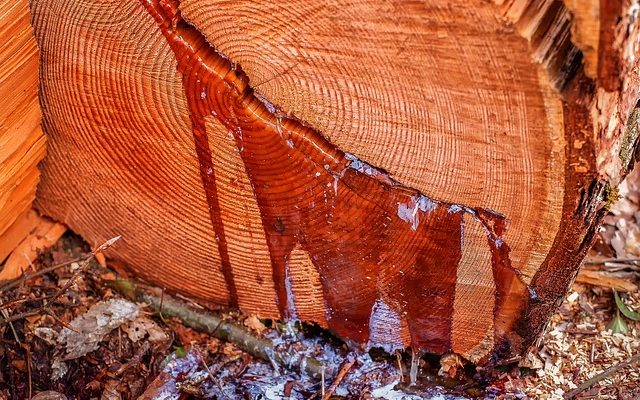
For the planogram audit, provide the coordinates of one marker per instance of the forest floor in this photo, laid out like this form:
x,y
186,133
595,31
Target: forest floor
x,y
76,329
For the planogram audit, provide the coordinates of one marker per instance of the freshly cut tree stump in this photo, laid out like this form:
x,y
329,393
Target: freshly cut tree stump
x,y
425,174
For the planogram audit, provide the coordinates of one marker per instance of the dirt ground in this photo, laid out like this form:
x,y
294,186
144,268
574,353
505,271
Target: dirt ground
x,y
70,332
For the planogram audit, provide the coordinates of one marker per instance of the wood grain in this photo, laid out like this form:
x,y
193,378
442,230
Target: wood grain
x,y
44,235
22,226
435,93
388,171
22,143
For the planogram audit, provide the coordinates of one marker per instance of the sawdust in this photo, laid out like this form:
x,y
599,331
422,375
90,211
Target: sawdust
x,y
578,345
124,359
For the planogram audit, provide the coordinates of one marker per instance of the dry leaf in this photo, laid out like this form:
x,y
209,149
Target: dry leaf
x,y
88,330
254,323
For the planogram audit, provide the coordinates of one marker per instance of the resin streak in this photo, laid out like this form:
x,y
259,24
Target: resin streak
x,y
383,252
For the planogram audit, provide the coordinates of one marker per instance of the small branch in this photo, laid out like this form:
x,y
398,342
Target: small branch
x,y
14,303
606,374
135,360
25,277
400,369
83,267
52,299
20,316
19,281
607,260
5,314
29,378
215,325
415,361
342,372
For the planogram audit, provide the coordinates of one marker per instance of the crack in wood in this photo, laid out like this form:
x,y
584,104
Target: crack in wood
x,y
372,240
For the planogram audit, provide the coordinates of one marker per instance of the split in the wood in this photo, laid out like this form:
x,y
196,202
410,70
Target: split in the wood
x,y
387,255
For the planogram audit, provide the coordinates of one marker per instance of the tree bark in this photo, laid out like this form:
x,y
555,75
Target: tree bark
x,y
425,174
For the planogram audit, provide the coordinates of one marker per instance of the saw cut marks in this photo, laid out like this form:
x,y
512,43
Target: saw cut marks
x,y
396,172
355,222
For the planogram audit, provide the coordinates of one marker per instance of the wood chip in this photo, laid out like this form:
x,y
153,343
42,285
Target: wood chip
x,y
604,279
46,233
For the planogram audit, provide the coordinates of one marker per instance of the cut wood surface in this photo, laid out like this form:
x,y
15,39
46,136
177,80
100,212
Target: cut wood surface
x,y
425,174
22,226
43,234
22,143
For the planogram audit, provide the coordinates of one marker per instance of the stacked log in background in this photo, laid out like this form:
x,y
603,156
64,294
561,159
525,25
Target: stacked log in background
x,y
22,142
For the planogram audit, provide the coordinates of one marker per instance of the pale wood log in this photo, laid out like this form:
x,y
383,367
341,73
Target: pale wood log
x,y
22,226
608,280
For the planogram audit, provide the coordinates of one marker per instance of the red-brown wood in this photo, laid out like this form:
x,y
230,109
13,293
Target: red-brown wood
x,y
464,243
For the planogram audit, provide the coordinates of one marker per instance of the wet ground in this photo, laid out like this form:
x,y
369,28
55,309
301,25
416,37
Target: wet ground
x,y
68,331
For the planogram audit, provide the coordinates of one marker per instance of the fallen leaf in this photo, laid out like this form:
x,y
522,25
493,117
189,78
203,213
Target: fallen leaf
x,y
143,327
49,395
617,324
254,323
87,331
110,391
624,309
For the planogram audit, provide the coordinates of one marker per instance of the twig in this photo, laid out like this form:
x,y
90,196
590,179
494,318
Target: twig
x,y
25,277
16,302
20,316
82,268
211,376
119,353
342,372
19,281
246,360
413,372
160,308
58,320
135,359
399,359
607,373
216,326
46,306
273,362
608,260
5,315
26,349
204,364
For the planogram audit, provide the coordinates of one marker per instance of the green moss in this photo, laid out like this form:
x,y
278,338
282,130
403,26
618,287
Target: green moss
x,y
629,138
612,195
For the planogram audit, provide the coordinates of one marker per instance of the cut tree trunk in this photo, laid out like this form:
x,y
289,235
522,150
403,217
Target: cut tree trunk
x,y
408,173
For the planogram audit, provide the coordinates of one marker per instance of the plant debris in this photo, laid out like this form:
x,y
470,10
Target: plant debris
x,y
590,333
64,332
67,332
85,332
73,329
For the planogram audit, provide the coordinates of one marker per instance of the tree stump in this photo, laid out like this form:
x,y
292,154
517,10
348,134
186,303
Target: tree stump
x,y
408,173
